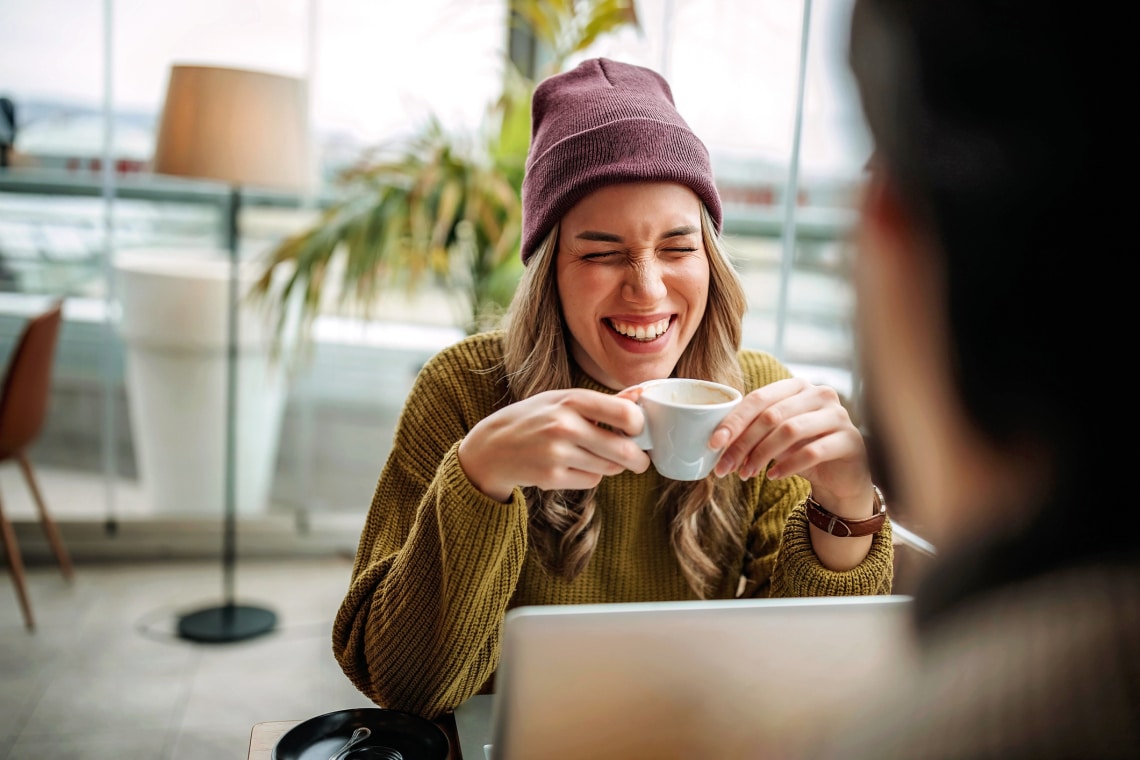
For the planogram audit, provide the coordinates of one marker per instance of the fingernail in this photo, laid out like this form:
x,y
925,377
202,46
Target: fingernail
x,y
725,466
719,438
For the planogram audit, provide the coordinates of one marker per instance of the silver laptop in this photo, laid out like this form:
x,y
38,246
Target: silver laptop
x,y
716,679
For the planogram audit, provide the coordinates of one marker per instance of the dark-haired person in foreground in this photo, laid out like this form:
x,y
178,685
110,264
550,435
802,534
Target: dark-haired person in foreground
x,y
992,255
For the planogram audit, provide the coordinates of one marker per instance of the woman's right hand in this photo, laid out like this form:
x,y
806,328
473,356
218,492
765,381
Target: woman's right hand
x,y
554,440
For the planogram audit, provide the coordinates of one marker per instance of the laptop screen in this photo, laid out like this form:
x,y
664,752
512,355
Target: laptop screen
x,y
724,679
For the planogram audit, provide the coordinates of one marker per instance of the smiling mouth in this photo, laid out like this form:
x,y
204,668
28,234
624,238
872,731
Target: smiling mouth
x,y
642,333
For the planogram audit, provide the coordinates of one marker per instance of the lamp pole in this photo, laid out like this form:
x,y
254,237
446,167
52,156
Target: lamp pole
x,y
229,533
229,621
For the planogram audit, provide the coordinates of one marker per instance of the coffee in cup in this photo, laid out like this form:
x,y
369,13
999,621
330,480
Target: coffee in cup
x,y
680,417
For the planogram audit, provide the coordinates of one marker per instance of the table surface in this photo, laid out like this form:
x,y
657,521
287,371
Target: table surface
x,y
264,737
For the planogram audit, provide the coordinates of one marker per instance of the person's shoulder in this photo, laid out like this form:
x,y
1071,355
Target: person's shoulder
x,y
480,352
760,368
459,384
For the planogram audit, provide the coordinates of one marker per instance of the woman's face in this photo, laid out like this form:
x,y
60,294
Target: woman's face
x,y
633,277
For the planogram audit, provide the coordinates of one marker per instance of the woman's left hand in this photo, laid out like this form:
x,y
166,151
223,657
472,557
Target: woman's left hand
x,y
800,429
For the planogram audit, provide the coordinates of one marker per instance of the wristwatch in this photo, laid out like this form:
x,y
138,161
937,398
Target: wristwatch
x,y
845,527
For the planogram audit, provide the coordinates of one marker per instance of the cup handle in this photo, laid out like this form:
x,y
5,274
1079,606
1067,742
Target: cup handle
x,y
642,439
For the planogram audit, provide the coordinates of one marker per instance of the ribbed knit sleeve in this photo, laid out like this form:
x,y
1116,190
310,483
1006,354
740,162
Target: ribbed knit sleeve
x,y
437,561
798,571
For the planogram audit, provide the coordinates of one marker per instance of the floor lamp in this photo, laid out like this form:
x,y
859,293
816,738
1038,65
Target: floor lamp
x,y
244,128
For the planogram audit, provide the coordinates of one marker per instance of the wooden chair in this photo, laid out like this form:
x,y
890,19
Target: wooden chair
x,y
23,406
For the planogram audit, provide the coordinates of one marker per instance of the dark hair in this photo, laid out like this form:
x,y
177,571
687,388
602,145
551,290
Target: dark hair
x,y
998,123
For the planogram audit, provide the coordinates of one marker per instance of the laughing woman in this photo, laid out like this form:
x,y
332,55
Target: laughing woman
x,y
509,481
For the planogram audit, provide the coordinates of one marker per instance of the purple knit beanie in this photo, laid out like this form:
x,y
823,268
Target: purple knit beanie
x,y
599,124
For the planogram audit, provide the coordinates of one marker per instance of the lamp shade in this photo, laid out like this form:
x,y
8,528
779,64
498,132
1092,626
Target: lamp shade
x,y
237,126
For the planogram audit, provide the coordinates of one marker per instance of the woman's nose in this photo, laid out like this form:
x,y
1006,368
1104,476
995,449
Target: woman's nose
x,y
644,282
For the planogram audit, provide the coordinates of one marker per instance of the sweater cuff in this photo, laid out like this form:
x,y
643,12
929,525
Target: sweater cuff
x,y
474,527
801,573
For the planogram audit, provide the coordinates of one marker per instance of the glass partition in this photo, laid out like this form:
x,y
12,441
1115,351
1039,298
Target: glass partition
x,y
773,103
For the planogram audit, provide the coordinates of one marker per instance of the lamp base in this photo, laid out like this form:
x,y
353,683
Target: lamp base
x,y
226,623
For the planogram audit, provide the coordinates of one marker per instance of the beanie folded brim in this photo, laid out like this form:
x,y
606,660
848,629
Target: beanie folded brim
x,y
628,150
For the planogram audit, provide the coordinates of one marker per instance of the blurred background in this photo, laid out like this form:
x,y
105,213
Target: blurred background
x,y
389,88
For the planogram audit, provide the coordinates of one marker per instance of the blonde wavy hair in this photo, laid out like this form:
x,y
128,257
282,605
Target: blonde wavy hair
x,y
706,515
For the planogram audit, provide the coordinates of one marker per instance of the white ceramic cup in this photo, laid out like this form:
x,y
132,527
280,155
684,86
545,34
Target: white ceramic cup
x,y
680,417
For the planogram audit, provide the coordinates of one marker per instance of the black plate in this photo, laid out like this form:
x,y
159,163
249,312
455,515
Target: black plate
x,y
319,738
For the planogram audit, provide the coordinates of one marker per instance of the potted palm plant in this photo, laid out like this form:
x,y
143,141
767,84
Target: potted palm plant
x,y
440,207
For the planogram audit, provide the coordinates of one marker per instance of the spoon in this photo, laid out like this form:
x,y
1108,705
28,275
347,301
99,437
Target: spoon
x,y
358,736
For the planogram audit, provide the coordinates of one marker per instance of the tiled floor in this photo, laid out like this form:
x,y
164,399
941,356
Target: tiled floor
x,y
104,677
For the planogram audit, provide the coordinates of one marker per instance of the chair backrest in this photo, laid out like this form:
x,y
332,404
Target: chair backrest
x,y
27,382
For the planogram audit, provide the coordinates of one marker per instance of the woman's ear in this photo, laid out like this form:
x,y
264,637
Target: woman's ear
x,y
883,214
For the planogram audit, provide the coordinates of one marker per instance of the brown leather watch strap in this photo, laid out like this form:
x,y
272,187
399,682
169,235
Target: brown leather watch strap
x,y
843,527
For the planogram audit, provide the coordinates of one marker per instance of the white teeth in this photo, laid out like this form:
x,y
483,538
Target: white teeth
x,y
642,332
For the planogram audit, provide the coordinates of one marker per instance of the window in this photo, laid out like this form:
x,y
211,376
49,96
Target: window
x,y
788,161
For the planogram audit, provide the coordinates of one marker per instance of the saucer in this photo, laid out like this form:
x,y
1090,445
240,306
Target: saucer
x,y
319,738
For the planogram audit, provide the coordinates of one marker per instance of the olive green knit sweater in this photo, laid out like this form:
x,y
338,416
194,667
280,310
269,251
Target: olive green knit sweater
x,y
439,563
